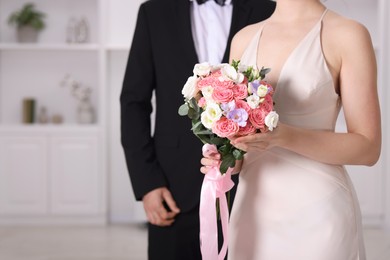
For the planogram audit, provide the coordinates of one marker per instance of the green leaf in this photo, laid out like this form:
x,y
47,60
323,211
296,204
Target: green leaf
x,y
194,104
28,16
183,109
203,132
196,125
217,141
204,138
227,161
235,64
263,72
193,114
238,154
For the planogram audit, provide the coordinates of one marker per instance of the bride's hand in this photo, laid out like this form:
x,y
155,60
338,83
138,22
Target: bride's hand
x,y
209,161
261,141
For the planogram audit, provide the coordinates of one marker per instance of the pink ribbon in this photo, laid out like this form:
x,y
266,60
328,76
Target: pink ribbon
x,y
214,186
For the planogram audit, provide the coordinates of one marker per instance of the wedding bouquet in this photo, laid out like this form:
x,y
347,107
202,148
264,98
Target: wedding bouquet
x,y
226,101
223,102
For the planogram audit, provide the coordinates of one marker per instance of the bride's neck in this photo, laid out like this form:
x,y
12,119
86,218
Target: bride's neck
x,y
296,10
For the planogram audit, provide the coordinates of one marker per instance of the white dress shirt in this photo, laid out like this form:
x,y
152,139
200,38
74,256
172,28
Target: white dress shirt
x,y
210,24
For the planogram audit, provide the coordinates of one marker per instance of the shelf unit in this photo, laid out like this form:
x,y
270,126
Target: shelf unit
x,y
69,158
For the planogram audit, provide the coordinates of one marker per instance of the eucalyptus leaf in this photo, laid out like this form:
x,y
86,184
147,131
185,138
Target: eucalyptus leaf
x,y
203,132
196,125
264,71
194,105
193,114
183,109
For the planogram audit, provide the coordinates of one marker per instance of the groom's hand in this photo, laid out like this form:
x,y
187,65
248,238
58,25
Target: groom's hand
x,y
157,213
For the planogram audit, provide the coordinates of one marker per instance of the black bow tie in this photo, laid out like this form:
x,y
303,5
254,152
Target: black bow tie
x,y
220,2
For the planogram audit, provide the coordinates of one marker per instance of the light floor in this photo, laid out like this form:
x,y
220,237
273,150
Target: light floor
x,y
115,242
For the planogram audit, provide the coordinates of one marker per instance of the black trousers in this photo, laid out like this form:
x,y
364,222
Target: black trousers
x,y
180,241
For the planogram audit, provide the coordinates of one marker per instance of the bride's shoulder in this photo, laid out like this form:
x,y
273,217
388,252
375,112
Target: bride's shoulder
x,y
243,37
344,30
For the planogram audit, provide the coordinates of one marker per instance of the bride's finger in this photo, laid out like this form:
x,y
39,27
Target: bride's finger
x,y
209,162
204,169
241,146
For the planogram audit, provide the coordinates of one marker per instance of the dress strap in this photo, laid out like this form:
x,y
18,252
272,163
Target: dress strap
x,y
323,14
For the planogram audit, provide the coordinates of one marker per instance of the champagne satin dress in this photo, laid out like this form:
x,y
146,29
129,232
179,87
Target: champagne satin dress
x,y
287,206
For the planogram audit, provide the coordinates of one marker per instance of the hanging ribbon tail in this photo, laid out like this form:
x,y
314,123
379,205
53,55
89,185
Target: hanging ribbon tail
x,y
215,185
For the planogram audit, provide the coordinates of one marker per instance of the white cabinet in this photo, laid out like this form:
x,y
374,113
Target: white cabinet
x,y
75,175
23,175
51,175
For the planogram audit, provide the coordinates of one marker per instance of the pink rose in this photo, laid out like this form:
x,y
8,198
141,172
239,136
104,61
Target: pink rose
x,y
224,84
222,95
225,128
216,73
202,102
208,81
267,105
256,117
244,105
240,91
246,130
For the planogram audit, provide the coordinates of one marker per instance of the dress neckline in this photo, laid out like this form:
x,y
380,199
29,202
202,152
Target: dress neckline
x,y
294,50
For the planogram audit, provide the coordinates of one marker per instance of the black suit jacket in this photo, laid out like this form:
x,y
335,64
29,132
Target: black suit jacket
x,y
161,58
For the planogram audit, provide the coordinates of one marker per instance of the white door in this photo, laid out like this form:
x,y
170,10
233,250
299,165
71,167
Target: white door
x,y
75,175
23,175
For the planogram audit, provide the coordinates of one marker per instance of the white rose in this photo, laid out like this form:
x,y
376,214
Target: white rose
x,y
202,69
218,66
207,92
271,120
212,114
206,121
253,101
230,72
262,90
190,88
213,111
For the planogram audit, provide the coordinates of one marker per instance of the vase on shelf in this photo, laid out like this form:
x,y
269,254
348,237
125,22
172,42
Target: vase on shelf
x,y
42,117
28,110
27,34
85,112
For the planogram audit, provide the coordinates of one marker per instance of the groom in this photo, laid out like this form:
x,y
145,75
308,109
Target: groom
x,y
171,36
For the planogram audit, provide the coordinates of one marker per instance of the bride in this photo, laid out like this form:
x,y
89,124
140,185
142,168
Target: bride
x,y
295,200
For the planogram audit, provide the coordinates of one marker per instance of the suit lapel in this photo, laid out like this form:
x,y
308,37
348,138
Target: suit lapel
x,y
240,18
183,23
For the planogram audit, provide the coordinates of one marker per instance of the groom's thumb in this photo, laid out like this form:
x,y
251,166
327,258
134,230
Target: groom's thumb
x,y
170,201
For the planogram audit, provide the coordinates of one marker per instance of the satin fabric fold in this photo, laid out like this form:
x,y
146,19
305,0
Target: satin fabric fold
x,y
215,185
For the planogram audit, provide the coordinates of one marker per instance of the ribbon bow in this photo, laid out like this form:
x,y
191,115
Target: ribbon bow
x,y
214,186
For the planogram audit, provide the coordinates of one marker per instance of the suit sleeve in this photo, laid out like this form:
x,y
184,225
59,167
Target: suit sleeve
x,y
138,84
